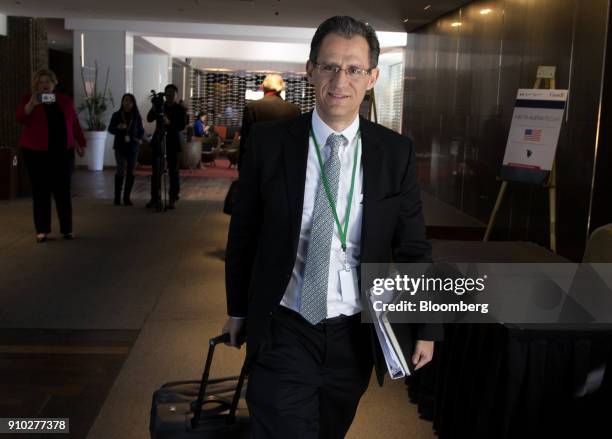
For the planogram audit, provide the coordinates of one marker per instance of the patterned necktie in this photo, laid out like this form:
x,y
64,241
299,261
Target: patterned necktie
x,y
313,305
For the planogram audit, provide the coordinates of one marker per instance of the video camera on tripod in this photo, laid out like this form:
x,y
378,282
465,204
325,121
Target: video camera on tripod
x,y
158,102
158,146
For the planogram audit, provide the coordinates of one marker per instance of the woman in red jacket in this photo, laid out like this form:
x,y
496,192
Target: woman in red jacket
x,y
48,141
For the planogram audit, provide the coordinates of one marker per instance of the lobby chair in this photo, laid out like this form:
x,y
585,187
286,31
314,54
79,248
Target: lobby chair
x,y
211,147
221,131
599,246
232,150
191,154
232,155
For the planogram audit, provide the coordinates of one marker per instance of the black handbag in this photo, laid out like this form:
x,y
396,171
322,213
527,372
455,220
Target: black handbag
x,y
230,198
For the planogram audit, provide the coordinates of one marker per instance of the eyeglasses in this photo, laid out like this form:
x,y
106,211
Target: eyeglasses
x,y
352,72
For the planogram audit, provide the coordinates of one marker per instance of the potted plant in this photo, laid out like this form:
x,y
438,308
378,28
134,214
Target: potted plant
x,y
95,104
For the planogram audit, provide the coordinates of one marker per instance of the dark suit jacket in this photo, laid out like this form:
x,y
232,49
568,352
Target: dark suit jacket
x,y
178,120
271,107
265,225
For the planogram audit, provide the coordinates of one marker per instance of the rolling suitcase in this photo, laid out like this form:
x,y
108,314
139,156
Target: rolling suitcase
x,y
208,408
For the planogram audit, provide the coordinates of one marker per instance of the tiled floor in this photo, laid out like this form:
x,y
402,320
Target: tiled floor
x,y
47,373
70,312
90,328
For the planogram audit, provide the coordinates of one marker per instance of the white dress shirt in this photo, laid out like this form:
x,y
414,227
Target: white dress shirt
x,y
337,303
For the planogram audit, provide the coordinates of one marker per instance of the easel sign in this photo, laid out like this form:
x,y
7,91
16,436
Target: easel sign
x,y
533,136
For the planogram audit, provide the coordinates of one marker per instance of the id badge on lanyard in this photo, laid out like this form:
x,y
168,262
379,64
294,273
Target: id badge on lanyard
x,y
348,282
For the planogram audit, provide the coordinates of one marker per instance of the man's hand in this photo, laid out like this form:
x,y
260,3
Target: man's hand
x,y
122,126
80,150
423,353
166,120
236,329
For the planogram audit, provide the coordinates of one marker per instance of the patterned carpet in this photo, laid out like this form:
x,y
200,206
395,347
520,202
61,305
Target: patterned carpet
x,y
220,168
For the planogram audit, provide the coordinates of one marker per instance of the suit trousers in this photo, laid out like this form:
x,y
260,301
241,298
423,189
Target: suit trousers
x,y
50,174
305,382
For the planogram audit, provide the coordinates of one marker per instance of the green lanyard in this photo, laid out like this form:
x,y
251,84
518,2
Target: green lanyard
x,y
342,231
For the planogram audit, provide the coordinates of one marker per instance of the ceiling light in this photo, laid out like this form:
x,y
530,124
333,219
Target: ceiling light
x,y
427,7
405,20
456,24
485,11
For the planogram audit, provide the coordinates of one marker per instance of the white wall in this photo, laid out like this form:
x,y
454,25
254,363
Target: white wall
x,y
108,49
3,25
129,63
253,66
151,72
283,34
235,49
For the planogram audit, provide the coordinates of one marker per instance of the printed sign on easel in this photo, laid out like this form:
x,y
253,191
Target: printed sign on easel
x,y
534,134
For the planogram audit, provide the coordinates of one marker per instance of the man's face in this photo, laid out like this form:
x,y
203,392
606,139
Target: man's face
x,y
338,96
170,95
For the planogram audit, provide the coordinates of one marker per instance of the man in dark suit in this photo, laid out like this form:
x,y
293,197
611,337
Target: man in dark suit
x,y
271,107
318,195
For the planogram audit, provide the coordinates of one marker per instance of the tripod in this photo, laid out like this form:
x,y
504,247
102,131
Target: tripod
x,y
160,170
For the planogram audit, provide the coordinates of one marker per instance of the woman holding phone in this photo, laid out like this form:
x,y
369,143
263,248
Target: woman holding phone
x,y
51,134
126,126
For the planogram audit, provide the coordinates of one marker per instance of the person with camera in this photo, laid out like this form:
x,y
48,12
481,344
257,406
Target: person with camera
x,y
126,126
170,117
51,134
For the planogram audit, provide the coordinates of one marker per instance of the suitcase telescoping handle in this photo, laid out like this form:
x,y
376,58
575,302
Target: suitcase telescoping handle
x,y
197,413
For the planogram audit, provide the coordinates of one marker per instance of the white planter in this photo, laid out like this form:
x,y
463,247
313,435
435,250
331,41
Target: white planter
x,y
96,142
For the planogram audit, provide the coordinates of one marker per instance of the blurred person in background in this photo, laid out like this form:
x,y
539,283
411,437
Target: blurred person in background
x,y
126,126
200,127
272,106
51,134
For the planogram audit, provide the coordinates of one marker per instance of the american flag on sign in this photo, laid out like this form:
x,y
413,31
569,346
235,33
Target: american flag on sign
x,y
532,135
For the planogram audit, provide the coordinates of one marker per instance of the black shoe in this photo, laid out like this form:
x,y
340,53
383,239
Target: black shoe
x,y
68,236
153,204
118,187
129,183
